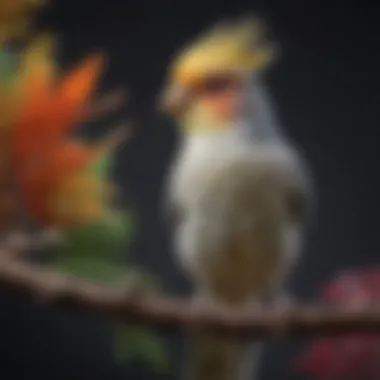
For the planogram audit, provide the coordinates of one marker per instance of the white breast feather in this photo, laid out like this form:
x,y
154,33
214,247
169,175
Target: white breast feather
x,y
204,180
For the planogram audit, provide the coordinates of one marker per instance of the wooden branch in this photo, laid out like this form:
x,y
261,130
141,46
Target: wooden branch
x,y
173,314
16,243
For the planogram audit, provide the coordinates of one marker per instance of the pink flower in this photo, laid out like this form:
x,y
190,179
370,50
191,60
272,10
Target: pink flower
x,y
354,356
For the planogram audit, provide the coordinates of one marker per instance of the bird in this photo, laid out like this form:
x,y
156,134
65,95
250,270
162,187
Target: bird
x,y
239,192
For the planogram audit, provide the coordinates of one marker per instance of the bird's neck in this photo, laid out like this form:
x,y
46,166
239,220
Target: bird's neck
x,y
211,143
258,116
236,132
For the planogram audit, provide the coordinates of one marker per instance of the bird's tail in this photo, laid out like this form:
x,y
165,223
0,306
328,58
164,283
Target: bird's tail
x,y
220,358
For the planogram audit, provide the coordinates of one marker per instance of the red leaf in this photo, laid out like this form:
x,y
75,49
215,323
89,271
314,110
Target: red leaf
x,y
354,356
315,359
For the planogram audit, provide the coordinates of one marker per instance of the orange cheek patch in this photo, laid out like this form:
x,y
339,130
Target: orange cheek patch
x,y
225,105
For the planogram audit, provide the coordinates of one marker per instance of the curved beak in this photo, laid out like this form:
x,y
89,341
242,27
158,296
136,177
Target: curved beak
x,y
174,100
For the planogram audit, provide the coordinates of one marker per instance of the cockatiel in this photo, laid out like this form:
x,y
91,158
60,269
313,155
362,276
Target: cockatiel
x,y
238,190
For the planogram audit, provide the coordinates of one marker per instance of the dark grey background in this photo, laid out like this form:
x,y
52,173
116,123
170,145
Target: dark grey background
x,y
326,90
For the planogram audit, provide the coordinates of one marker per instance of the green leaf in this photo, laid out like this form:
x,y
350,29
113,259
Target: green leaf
x,y
104,239
134,343
91,268
119,225
101,168
8,66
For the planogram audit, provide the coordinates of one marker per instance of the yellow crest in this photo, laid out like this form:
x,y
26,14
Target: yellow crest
x,y
236,46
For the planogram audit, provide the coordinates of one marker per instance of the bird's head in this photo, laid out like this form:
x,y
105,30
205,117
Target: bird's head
x,y
208,80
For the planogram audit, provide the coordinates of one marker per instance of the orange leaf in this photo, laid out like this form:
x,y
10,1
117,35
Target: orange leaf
x,y
29,124
74,92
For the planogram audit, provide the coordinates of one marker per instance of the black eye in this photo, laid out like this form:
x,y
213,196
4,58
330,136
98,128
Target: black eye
x,y
216,84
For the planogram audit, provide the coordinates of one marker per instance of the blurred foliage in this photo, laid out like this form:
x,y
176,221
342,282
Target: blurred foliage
x,y
102,166
16,17
103,239
143,347
352,356
93,251
8,64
